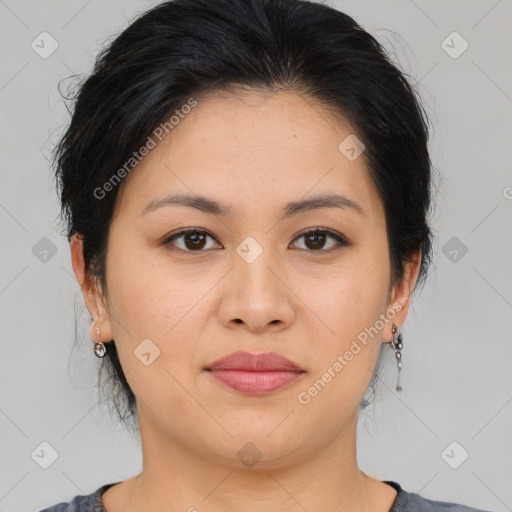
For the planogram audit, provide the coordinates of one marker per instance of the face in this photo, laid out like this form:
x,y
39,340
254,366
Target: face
x,y
305,282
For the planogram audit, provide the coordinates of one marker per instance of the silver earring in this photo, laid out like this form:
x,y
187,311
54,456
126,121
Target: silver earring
x,y
99,346
397,345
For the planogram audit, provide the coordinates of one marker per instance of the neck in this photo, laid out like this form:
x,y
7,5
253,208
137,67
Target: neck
x,y
177,478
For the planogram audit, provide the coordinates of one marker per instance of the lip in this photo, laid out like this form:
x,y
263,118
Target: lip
x,y
259,362
255,374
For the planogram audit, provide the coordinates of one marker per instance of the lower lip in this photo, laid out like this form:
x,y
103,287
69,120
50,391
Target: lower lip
x,y
255,383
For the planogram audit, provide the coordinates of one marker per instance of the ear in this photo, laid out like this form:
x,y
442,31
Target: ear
x,y
401,295
94,299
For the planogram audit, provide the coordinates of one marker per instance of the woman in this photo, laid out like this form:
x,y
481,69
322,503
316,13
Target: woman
x,y
246,186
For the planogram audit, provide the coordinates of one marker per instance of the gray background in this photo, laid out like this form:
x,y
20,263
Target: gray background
x,y
457,353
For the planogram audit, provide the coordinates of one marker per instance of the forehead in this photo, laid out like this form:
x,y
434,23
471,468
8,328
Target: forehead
x,y
252,150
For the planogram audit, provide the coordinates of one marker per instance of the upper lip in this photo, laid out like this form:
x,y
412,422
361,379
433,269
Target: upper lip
x,y
246,361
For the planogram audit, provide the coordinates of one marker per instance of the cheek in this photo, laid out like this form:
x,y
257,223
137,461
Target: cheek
x,y
155,335
154,302
353,298
349,305
344,361
148,297
353,310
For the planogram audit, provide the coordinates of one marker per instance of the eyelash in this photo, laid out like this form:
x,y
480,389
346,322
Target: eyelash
x,y
341,241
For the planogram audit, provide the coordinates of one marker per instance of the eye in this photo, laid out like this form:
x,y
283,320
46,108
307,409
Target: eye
x,y
315,240
194,240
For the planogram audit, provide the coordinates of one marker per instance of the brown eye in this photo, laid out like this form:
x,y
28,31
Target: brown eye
x,y
315,240
193,240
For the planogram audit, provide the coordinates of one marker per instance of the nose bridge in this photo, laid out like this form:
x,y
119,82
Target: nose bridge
x,y
252,263
255,293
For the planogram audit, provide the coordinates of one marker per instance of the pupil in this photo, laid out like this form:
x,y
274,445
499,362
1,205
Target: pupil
x,y
196,238
321,236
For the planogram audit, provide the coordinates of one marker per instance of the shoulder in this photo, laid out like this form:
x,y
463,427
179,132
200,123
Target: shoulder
x,y
405,502
412,502
83,502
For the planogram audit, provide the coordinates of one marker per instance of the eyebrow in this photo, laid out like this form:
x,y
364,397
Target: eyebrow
x,y
292,208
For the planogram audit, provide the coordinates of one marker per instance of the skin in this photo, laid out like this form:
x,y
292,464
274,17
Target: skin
x,y
255,151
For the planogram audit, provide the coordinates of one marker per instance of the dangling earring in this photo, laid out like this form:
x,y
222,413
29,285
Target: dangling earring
x,y
397,345
99,346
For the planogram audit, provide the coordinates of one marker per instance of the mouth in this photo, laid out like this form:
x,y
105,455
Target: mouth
x,y
255,374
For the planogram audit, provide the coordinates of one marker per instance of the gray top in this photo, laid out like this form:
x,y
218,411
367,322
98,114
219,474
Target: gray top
x,y
404,502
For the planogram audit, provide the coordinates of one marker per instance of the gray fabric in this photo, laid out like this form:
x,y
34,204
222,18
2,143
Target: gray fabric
x,y
404,502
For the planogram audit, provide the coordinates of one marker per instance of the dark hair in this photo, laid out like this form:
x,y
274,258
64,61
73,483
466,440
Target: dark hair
x,y
184,48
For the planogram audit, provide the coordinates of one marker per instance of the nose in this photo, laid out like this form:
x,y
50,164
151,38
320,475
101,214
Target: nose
x,y
254,296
